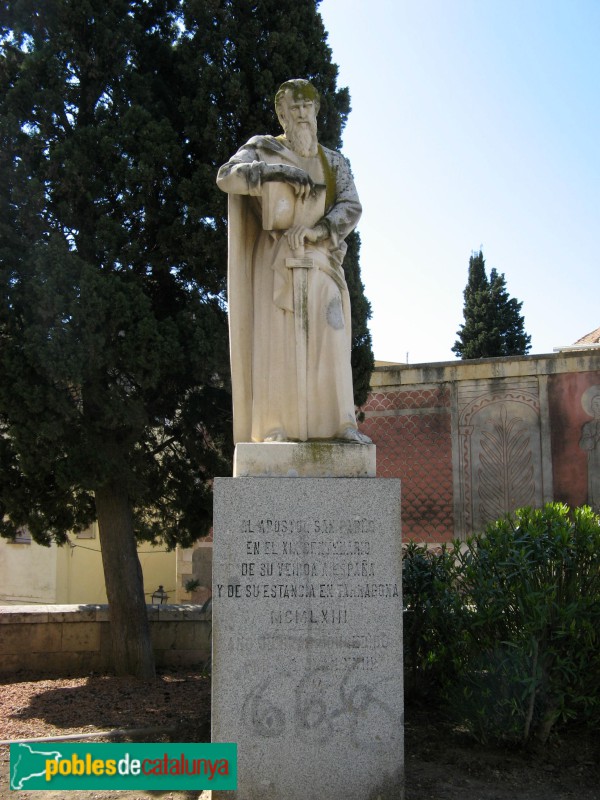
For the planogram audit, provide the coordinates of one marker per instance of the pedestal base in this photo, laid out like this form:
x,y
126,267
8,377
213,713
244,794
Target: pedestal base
x,y
307,637
304,460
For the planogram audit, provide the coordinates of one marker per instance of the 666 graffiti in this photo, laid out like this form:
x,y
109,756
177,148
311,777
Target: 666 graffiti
x,y
320,704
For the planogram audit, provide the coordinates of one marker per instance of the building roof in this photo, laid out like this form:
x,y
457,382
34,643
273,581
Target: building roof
x,y
590,338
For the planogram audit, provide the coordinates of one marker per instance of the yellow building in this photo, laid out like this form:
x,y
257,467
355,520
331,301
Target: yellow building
x,y
30,573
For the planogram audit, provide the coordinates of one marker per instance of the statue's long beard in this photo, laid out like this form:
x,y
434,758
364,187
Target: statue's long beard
x,y
303,138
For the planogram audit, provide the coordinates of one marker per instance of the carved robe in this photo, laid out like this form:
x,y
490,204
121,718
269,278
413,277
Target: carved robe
x,y
261,302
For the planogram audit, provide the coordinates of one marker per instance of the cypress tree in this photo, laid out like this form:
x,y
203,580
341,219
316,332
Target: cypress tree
x,y
363,361
493,325
515,341
114,402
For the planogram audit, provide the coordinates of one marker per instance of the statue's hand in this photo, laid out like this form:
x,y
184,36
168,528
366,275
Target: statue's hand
x,y
300,234
300,181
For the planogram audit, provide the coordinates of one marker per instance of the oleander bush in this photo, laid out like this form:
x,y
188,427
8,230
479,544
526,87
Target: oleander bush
x,y
512,619
433,614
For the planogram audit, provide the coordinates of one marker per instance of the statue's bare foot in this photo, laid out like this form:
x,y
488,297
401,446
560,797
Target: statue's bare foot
x,y
275,436
351,434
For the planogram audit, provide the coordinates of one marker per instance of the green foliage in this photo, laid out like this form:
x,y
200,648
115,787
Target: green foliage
x,y
363,360
113,334
525,617
433,617
532,581
493,324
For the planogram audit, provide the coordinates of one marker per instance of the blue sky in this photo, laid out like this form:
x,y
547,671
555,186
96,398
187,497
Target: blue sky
x,y
474,123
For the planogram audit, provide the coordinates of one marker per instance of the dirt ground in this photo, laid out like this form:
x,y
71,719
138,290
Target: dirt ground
x,y
441,762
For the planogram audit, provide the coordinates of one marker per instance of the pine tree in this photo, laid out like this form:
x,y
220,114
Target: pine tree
x,y
114,403
493,324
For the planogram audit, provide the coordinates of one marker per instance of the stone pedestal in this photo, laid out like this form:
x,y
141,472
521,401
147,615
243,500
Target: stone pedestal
x,y
307,636
304,460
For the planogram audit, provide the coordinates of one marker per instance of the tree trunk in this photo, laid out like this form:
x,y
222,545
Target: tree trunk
x,y
130,630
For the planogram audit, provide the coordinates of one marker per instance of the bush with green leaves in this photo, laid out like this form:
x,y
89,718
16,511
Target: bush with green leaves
x,y
432,617
530,585
505,627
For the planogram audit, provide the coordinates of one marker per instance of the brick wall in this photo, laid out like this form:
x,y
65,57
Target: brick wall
x,y
412,431
472,440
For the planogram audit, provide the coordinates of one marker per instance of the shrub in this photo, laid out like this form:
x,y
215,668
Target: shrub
x,y
432,617
531,589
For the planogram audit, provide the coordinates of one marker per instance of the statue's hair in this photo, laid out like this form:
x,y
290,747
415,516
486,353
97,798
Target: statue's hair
x,y
297,86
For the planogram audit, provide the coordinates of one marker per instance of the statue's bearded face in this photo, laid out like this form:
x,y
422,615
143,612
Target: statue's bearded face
x,y
299,120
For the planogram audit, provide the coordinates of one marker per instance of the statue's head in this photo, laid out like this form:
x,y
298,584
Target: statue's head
x,y
297,88
297,105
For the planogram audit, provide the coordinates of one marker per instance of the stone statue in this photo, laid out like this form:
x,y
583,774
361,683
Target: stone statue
x,y
292,203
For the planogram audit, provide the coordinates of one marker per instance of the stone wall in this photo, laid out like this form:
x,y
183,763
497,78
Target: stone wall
x,y
75,639
471,440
